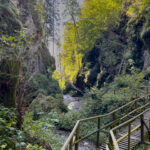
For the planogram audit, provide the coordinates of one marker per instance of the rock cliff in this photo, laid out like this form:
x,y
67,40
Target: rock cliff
x,y
31,16
111,53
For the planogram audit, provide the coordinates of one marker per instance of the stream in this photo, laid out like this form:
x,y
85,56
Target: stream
x,y
74,103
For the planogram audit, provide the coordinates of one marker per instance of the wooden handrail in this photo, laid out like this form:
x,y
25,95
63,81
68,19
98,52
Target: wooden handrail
x,y
122,138
70,136
115,141
130,121
75,133
109,114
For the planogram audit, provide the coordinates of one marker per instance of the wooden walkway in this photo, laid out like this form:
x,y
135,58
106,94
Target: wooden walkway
x,y
126,127
135,137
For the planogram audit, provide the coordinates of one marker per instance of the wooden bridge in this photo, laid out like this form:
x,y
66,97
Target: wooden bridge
x,y
125,127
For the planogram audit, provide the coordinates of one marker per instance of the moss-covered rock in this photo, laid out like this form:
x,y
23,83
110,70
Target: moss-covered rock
x,y
146,37
40,83
101,64
9,21
112,52
42,105
32,14
37,9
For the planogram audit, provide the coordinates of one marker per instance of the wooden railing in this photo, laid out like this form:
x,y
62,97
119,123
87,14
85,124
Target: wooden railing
x,y
142,123
117,116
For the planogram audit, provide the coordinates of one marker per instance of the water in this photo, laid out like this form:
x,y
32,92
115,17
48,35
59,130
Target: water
x,y
73,103
84,148
84,145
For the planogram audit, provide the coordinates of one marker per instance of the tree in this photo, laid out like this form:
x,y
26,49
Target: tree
x,y
81,33
9,75
136,7
13,52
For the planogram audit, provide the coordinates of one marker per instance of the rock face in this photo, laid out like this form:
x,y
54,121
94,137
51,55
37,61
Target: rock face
x,y
59,16
146,59
32,16
102,63
8,18
111,53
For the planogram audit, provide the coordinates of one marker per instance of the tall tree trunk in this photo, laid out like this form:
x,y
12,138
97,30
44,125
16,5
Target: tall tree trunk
x,y
9,75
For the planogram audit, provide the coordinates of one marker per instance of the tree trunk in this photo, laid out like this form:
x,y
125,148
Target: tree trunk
x,y
9,75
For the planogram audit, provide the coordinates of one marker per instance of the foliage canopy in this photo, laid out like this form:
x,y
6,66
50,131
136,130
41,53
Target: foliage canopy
x,y
80,36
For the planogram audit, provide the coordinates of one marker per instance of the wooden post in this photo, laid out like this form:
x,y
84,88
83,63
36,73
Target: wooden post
x,y
70,144
129,136
147,90
98,133
77,137
114,118
142,129
149,129
111,146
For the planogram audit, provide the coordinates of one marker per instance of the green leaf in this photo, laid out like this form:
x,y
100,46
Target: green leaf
x,y
4,37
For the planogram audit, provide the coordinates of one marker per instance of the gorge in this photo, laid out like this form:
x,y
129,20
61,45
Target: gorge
x,y
62,61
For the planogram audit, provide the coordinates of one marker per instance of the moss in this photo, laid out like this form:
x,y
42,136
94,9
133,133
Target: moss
x,y
9,72
37,10
9,21
145,34
42,105
146,37
104,57
40,83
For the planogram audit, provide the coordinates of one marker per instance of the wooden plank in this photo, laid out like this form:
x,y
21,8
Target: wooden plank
x,y
136,128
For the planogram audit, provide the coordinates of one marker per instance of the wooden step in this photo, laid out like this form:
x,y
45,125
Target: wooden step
x,y
135,137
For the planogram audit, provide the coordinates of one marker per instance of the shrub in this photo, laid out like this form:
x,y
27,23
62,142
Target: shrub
x,y
68,120
9,18
34,147
42,105
40,83
42,131
10,136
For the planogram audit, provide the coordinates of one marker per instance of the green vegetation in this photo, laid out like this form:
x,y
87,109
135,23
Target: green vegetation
x,y
122,90
11,136
14,47
103,56
37,9
9,21
96,28
40,83
80,36
42,131
18,88
35,132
